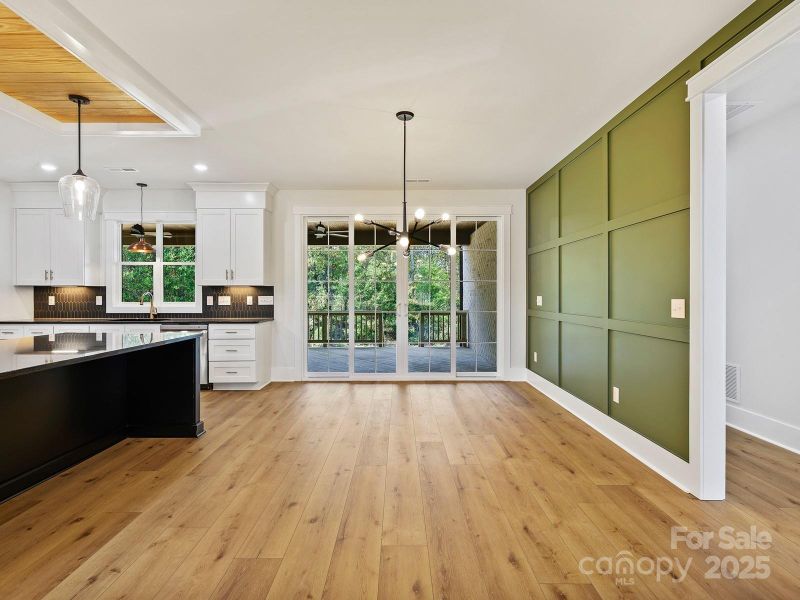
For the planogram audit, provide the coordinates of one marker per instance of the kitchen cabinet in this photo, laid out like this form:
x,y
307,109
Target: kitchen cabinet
x,y
49,248
71,328
10,332
143,328
239,356
231,246
105,328
37,330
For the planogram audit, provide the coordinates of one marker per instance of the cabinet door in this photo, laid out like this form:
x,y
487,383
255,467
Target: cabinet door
x,y
32,236
66,249
214,246
247,246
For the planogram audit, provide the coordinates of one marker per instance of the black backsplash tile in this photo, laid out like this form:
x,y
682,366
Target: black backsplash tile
x,y
79,303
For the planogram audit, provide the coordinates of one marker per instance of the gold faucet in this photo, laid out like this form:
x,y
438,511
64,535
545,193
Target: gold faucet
x,y
153,309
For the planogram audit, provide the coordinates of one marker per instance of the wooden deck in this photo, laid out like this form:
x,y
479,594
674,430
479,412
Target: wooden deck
x,y
340,490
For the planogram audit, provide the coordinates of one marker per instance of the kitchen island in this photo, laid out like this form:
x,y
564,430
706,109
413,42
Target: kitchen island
x,y
68,396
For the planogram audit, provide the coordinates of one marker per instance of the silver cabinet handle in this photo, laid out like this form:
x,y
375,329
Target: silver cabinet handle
x,y
226,274
231,274
231,372
45,274
51,274
231,332
229,350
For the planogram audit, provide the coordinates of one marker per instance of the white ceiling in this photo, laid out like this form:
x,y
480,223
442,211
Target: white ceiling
x,y
303,93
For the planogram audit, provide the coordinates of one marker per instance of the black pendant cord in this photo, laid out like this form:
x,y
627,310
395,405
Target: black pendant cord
x,y
405,210
79,171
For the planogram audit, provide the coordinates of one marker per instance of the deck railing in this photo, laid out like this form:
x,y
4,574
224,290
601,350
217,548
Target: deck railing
x,y
434,327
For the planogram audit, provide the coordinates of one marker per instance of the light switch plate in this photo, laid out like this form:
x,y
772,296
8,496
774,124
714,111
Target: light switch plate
x,y
51,300
209,300
224,300
535,357
678,308
615,394
265,300
98,300
249,301
538,300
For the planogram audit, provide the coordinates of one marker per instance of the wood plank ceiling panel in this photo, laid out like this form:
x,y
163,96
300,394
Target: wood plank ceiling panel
x,y
40,73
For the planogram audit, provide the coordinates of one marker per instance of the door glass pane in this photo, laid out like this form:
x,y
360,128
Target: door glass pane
x,y
375,293
136,280
477,296
429,300
128,238
327,295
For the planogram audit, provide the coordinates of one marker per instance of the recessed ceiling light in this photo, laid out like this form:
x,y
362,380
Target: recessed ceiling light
x,y
201,167
48,167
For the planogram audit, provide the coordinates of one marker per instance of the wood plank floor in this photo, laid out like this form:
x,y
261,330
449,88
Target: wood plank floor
x,y
423,490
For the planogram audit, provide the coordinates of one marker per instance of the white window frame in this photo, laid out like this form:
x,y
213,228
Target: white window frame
x,y
113,233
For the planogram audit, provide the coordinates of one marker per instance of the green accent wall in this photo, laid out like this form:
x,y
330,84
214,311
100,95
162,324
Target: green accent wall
x,y
608,248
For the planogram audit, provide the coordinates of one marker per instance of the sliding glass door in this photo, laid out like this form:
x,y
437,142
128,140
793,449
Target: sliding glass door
x,y
427,315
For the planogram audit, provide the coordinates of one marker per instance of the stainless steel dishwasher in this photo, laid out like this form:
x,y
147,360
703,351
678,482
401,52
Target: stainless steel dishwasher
x,y
203,345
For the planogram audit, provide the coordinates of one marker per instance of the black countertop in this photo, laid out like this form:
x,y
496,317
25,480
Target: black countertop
x,y
42,352
145,321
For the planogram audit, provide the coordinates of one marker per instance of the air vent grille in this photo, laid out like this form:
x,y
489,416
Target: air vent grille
x,y
733,382
737,108
122,170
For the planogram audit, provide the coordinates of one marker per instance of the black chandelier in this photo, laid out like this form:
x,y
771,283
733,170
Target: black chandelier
x,y
403,236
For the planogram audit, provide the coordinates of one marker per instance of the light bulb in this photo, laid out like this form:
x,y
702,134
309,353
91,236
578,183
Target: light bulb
x,y
79,185
403,241
445,216
362,257
359,217
451,250
419,213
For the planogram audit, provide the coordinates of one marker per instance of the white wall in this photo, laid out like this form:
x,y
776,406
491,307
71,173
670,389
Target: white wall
x,y
763,273
289,335
15,302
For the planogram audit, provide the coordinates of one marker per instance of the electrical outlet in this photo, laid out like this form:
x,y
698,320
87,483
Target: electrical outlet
x,y
249,301
51,300
538,300
678,308
265,300
224,300
535,357
209,300
615,394
98,300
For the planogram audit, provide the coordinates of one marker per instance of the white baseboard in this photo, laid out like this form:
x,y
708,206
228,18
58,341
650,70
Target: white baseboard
x,y
764,428
666,464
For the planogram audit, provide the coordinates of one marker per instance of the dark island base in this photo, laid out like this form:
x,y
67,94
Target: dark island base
x,y
53,419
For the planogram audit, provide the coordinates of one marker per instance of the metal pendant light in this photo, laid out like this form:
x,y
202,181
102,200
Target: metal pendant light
x,y
403,236
79,194
141,245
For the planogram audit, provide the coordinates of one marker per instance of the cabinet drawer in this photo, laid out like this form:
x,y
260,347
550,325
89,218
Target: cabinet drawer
x,y
231,332
222,372
70,329
228,350
107,329
9,332
38,330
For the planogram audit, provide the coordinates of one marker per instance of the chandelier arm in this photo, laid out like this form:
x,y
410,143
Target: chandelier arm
x,y
423,241
376,250
392,229
424,227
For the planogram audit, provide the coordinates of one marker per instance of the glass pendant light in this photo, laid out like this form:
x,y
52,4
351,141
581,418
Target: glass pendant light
x,y
141,245
79,194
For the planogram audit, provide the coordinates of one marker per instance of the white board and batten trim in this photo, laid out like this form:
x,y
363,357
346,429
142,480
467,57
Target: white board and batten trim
x,y
663,462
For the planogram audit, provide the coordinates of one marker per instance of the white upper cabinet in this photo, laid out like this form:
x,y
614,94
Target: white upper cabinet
x,y
49,248
232,227
214,246
247,247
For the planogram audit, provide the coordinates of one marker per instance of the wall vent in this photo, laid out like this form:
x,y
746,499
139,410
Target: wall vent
x,y
733,383
737,108
122,170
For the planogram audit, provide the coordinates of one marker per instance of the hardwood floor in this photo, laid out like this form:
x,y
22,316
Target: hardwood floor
x,y
338,490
